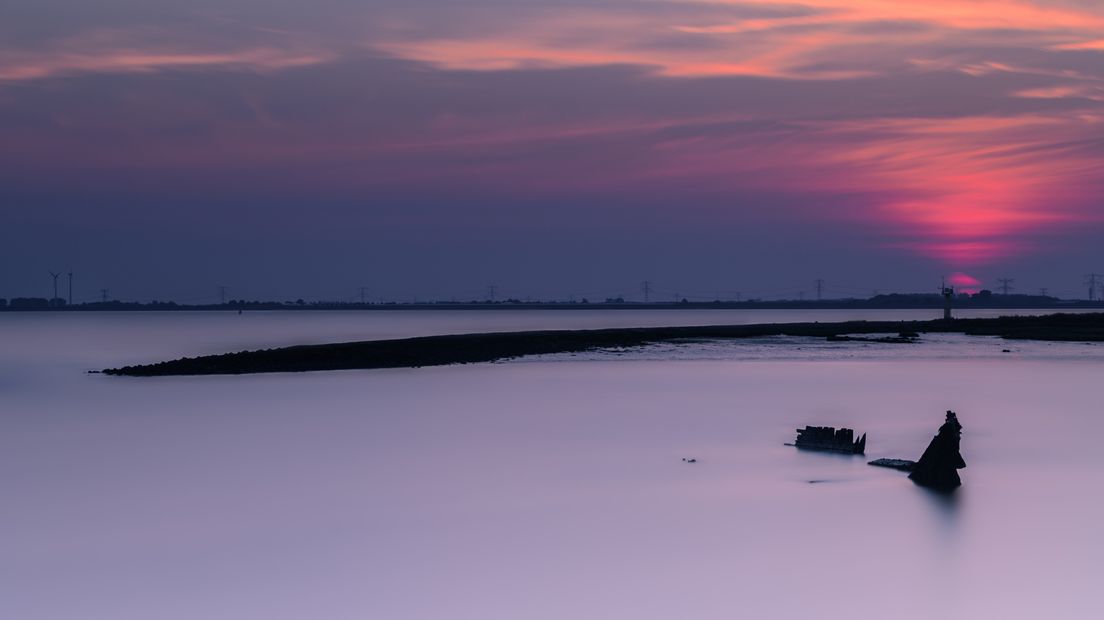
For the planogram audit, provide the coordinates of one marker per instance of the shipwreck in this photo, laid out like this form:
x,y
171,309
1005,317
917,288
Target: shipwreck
x,y
938,466
830,439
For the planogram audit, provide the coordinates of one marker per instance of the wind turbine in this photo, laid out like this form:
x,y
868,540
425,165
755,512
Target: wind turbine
x,y
55,275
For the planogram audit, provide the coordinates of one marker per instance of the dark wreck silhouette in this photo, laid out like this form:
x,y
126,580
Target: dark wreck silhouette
x,y
938,467
829,439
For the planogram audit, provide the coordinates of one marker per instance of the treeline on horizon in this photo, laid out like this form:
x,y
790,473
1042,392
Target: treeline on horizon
x,y
982,299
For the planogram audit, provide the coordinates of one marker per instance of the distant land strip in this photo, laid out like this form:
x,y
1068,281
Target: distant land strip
x,y
489,347
894,301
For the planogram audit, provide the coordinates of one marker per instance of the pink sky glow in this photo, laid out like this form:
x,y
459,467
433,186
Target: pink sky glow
x,y
965,133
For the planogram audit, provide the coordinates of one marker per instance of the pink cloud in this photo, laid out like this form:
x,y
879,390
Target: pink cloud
x,y
962,279
964,283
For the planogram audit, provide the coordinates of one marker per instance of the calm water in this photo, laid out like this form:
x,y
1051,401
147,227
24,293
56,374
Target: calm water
x,y
544,488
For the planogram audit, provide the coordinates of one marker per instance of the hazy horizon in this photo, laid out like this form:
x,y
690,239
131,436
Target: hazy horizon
x,y
632,294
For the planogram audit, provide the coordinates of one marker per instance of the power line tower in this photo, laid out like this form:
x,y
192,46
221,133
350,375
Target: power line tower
x,y
222,295
819,282
70,288
1091,280
1006,284
647,286
1043,291
103,295
363,291
492,290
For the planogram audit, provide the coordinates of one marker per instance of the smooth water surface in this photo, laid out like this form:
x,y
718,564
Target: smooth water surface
x,y
544,488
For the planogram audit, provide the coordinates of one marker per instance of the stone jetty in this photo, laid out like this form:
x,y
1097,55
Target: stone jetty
x,y
475,348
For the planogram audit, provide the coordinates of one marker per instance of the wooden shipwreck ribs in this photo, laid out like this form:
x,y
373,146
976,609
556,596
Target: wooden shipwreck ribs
x,y
830,439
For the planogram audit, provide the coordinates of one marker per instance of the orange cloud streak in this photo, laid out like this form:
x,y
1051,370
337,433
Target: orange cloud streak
x,y
132,52
786,45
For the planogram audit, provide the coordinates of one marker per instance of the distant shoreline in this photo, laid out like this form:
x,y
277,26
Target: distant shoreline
x,y
911,303
490,347
984,300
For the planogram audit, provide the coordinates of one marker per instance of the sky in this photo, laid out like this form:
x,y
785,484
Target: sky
x,y
550,148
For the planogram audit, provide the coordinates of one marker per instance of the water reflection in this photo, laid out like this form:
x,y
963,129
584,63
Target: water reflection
x,y
946,506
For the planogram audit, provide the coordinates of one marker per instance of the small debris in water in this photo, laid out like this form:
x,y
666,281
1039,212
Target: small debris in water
x,y
686,460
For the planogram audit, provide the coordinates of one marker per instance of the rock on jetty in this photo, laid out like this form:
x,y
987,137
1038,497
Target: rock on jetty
x,y
901,464
828,438
938,466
